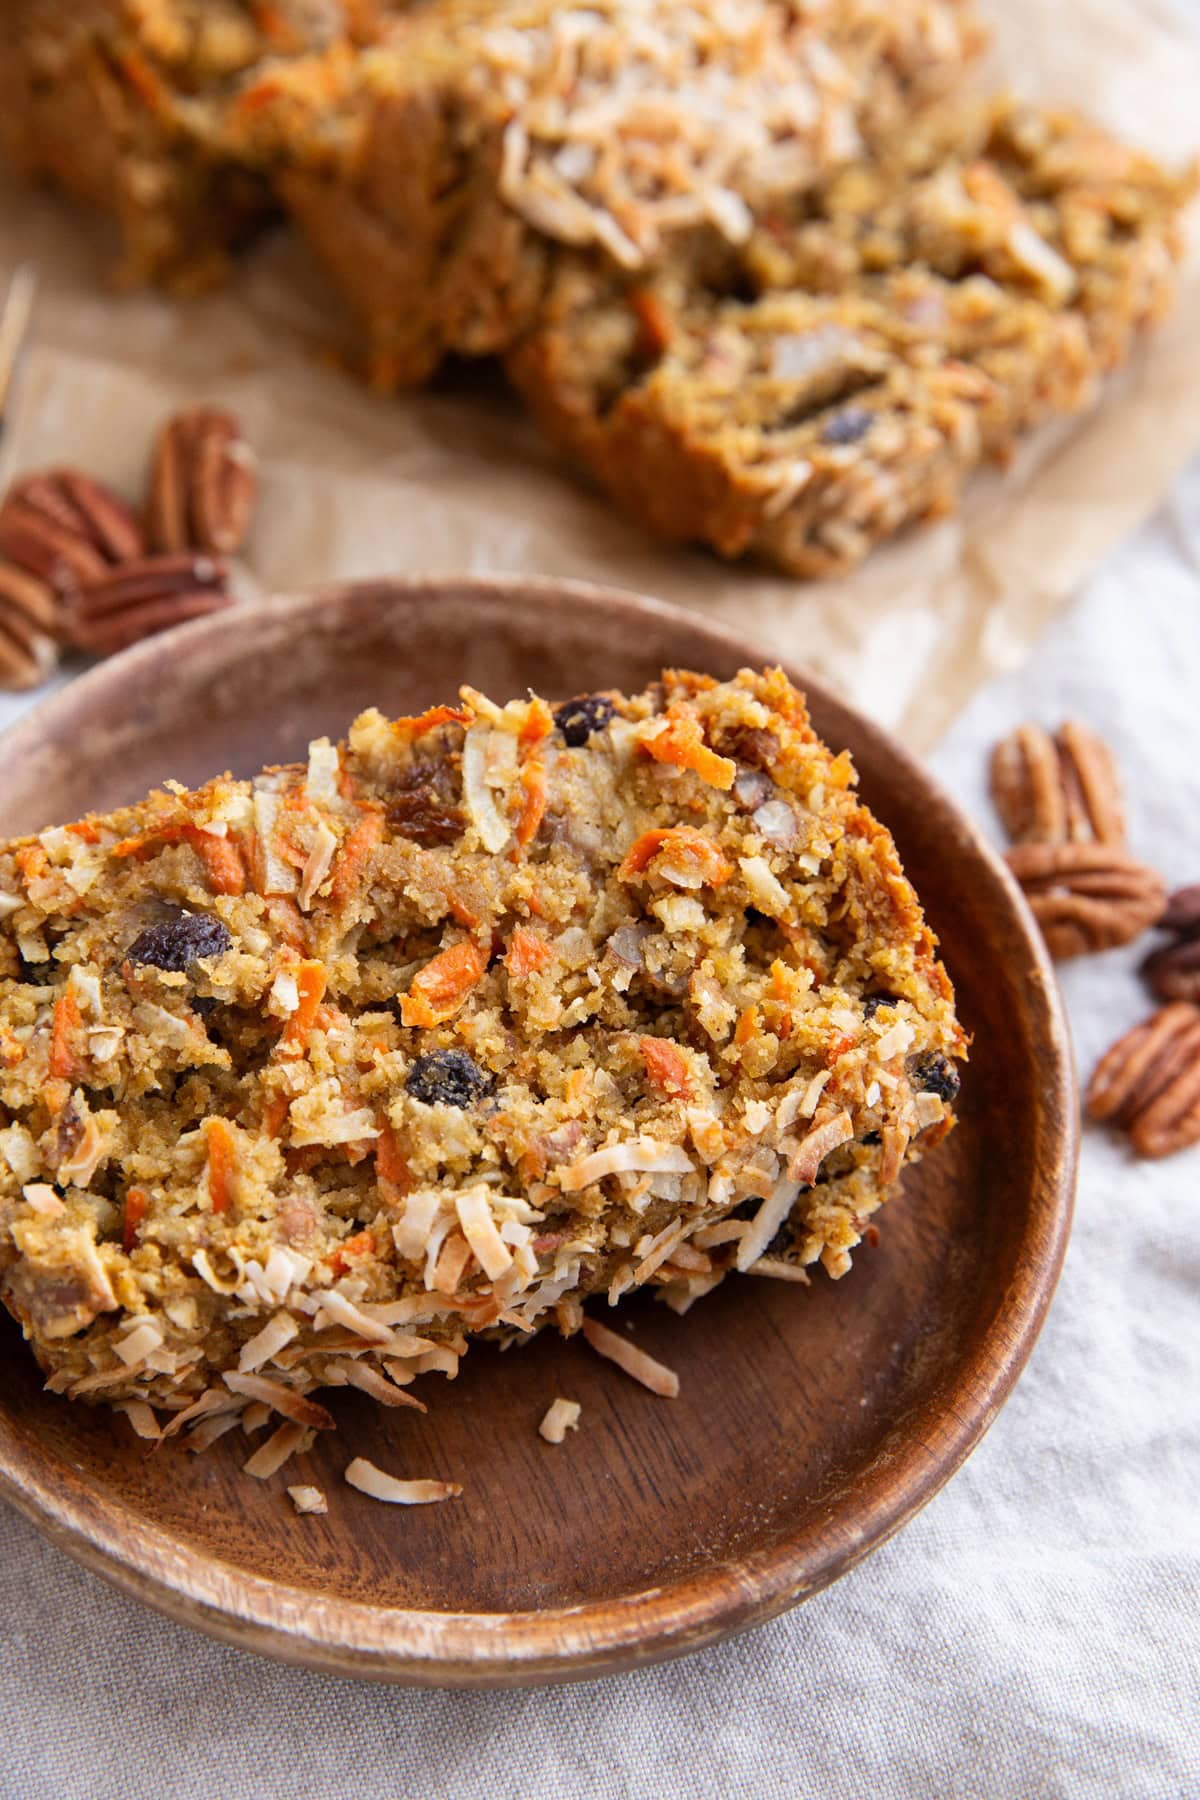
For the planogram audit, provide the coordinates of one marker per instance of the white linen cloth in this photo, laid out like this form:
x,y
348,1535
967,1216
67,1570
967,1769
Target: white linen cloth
x,y
1034,1632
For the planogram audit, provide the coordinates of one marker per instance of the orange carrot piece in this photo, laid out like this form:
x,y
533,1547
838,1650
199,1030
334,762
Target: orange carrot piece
x,y
681,742
287,920
274,1114
442,985
63,1064
135,1212
32,861
311,979
222,860
85,829
527,952
539,724
747,1026
533,810
666,1066
361,1244
391,1164
690,846
418,724
220,1164
357,847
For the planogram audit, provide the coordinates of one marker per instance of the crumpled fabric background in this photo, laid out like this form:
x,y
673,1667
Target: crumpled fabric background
x,y
1035,1632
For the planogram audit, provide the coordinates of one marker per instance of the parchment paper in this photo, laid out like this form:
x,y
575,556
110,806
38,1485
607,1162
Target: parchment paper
x,y
354,484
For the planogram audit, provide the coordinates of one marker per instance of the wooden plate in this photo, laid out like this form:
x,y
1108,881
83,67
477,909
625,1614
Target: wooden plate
x,y
812,1422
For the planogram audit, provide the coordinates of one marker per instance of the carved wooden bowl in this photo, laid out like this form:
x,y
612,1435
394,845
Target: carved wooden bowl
x,y
812,1423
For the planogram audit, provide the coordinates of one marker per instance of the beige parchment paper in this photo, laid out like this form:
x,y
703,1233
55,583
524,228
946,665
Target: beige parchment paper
x,y
455,479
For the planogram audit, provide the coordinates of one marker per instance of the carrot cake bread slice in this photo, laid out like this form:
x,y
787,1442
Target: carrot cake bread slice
x,y
437,174
306,1079
806,394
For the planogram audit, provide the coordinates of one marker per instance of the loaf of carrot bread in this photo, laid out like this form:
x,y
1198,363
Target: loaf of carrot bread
x,y
120,101
839,375
437,174
306,1079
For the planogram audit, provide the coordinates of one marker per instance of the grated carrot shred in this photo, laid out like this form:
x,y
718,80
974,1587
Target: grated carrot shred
x,y
355,850
688,843
418,724
311,978
347,1252
221,1148
533,810
748,1025
539,723
275,1113
222,861
680,742
442,985
666,1066
391,1164
32,861
527,952
135,1212
63,1063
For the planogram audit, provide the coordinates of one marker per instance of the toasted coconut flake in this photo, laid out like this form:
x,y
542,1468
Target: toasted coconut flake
x,y
346,1372
209,1430
317,867
778,1270
336,1309
275,1452
280,1399
693,1261
816,1147
368,1479
141,1417
279,877
895,1040
267,1343
811,1096
636,1156
493,828
766,1222
725,1231
255,1417
41,1198
636,1362
479,1228
213,1400
766,891
323,767
411,1233
895,1143
561,1416
209,1276
137,1344
308,1500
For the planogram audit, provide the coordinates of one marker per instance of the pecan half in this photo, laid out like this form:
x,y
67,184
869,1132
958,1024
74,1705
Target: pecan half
x,y
28,622
144,597
1057,790
1149,1082
1086,897
85,507
43,547
1173,971
202,483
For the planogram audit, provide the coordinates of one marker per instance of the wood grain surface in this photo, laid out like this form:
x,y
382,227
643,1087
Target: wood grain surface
x,y
811,1423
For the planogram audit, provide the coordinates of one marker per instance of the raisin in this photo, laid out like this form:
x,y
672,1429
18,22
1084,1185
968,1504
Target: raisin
x,y
578,719
847,426
933,1073
448,1078
422,806
38,974
177,943
873,1002
872,1138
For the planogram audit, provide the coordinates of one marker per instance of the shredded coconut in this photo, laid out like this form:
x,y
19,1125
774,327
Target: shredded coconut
x,y
644,1368
561,1416
368,1479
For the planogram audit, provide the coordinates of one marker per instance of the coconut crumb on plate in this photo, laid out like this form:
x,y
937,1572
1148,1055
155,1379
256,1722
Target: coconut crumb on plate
x,y
368,1479
308,1500
561,1416
644,1368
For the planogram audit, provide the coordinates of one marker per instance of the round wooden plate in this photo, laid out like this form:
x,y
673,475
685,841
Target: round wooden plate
x,y
811,1422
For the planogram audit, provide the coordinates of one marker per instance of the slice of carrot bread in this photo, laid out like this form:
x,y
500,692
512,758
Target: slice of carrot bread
x,y
118,102
437,174
306,1079
840,375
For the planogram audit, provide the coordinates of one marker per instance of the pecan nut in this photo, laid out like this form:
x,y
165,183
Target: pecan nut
x,y
203,483
1173,970
28,622
1086,897
1148,1084
145,597
1057,790
85,507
